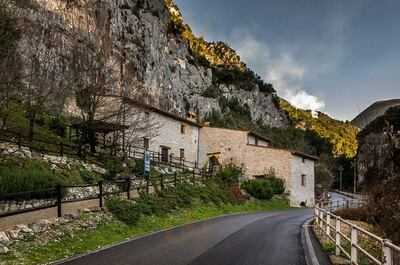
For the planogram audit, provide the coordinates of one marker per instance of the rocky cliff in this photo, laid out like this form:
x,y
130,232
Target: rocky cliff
x,y
148,53
374,111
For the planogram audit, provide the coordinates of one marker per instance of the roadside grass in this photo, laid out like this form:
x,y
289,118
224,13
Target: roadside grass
x,y
115,231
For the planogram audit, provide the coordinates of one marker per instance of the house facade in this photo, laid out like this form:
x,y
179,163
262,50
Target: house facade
x,y
164,132
174,137
255,155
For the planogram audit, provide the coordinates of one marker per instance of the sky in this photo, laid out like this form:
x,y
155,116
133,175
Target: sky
x,y
335,56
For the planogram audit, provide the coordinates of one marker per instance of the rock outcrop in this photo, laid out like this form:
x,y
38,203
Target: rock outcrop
x,y
146,55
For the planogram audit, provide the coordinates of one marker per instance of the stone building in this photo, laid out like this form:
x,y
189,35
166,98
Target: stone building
x,y
177,138
164,132
255,155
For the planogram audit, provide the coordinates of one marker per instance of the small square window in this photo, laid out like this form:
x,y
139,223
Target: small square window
x,y
183,129
303,180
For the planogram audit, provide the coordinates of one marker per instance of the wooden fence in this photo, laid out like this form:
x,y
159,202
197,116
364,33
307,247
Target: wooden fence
x,y
357,244
60,195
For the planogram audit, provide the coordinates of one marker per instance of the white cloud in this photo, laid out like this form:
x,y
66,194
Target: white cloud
x,y
282,70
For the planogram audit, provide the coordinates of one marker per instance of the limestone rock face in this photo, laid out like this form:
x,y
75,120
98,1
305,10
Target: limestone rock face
x,y
160,67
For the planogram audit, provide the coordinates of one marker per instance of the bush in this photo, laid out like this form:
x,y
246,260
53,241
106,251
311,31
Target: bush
x,y
17,175
277,185
184,195
259,188
113,167
355,214
125,211
229,175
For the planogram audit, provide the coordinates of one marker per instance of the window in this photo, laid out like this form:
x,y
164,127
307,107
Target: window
x,y
164,154
146,143
183,128
182,153
303,180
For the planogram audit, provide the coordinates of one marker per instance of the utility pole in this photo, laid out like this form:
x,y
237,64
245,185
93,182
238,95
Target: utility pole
x,y
354,164
340,177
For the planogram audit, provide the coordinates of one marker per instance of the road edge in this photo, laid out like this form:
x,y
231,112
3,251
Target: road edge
x,y
63,261
309,248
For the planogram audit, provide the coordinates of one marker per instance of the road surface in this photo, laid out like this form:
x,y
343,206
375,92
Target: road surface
x,y
251,239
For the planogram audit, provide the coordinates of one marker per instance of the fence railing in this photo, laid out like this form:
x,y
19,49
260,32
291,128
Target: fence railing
x,y
60,195
360,246
341,204
83,152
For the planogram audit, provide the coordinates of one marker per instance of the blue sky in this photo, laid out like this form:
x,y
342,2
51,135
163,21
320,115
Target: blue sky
x,y
337,56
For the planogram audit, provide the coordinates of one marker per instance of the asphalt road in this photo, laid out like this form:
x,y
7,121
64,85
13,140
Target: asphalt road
x,y
252,239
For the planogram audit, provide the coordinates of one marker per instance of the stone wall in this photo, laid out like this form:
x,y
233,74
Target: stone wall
x,y
231,146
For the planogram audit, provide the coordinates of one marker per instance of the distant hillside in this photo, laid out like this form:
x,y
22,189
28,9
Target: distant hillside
x,y
342,135
374,111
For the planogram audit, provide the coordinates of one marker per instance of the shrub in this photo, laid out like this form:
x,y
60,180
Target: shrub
x,y
259,188
229,175
355,214
17,175
125,211
277,185
113,167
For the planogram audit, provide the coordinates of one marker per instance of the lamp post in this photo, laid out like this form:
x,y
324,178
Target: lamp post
x,y
340,177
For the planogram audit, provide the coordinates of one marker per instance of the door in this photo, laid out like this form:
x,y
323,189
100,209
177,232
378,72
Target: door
x,y
164,154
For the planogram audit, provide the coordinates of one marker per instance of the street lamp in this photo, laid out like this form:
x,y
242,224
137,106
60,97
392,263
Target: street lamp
x,y
340,177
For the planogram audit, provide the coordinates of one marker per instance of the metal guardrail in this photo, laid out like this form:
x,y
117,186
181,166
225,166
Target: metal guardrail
x,y
360,246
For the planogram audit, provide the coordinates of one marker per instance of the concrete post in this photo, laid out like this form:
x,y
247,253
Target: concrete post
x,y
387,253
354,242
321,216
338,236
328,222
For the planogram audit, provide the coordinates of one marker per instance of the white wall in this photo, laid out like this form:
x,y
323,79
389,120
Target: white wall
x,y
166,131
299,193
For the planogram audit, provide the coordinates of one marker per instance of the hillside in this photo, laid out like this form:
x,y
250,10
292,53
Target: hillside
x,y
341,135
374,111
143,50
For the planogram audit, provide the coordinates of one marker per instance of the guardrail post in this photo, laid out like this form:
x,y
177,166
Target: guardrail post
x,y
61,149
387,253
147,184
59,201
328,222
354,242
100,194
321,217
175,178
316,215
162,181
338,236
128,188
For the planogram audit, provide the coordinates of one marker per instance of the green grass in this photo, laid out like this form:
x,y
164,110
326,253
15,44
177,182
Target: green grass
x,y
115,231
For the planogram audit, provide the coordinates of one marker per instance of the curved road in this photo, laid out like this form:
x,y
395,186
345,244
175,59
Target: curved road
x,y
272,238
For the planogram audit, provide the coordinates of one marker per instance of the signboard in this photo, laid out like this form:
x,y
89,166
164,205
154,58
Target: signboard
x,y
146,163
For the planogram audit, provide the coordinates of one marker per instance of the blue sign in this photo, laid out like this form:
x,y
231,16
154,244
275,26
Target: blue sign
x,y
146,162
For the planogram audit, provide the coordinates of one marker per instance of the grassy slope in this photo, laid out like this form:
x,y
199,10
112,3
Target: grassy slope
x,y
115,231
342,135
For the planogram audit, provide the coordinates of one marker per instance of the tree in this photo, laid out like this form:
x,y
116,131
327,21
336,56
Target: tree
x,y
10,63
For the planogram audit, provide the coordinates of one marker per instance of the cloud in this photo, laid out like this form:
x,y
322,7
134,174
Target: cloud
x,y
282,70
